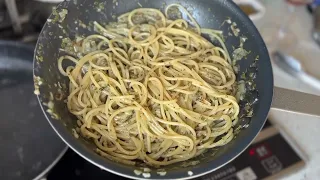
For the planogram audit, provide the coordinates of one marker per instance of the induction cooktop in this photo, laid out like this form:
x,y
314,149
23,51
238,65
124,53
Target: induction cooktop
x,y
270,156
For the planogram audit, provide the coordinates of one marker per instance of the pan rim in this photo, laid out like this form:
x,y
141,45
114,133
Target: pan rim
x,y
44,172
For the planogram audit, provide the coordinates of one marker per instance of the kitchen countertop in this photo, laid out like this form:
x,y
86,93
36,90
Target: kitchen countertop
x,y
302,130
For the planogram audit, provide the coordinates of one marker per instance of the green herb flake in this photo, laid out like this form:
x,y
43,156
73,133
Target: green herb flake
x,y
65,42
243,76
40,58
62,15
239,53
55,15
98,6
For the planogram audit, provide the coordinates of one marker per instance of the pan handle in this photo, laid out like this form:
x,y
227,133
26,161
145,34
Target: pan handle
x,y
296,102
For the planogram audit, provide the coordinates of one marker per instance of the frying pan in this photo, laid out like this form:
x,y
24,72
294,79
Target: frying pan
x,y
24,133
209,14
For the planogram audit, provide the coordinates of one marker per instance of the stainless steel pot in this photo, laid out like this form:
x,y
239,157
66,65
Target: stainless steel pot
x,y
29,147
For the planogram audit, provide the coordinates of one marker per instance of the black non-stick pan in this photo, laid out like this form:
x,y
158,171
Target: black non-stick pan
x,y
75,18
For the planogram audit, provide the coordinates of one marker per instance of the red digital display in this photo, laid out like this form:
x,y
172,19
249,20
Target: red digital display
x,y
252,152
261,151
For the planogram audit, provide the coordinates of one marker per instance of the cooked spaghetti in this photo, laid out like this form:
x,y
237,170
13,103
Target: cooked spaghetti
x,y
151,88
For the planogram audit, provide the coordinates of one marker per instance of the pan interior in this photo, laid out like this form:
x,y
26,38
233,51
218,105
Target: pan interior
x,y
75,18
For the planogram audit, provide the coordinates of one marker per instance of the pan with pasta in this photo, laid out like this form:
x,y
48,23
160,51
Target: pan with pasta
x,y
152,90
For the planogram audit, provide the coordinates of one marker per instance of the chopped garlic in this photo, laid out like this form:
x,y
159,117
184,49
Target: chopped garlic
x,y
163,173
137,172
146,175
